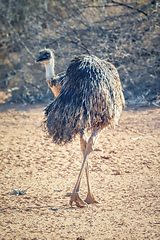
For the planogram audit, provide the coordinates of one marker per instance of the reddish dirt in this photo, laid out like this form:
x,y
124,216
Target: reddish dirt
x,y
124,176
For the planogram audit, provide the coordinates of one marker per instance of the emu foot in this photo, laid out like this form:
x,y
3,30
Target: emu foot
x,y
90,199
79,202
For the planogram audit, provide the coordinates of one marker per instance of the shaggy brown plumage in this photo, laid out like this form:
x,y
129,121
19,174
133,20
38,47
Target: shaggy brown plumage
x,y
91,96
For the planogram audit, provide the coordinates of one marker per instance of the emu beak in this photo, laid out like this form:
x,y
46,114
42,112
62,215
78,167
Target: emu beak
x,y
43,57
40,58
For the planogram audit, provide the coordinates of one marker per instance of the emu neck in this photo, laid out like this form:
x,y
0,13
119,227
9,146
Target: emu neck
x,y
49,69
49,75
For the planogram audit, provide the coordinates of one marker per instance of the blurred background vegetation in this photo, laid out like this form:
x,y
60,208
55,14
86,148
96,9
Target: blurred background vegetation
x,y
124,32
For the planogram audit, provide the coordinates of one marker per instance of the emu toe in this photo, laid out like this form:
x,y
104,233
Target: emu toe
x,y
79,202
90,199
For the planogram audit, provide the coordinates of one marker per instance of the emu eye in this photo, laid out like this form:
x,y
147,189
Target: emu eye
x,y
48,54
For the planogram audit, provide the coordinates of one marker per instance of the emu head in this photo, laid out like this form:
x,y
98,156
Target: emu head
x,y
45,56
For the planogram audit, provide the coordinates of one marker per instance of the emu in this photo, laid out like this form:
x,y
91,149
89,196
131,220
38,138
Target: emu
x,y
88,98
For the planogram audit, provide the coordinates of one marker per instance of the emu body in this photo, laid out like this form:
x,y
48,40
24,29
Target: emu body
x,y
90,99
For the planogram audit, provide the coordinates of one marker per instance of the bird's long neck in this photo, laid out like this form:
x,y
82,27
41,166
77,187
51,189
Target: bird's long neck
x,y
50,74
50,69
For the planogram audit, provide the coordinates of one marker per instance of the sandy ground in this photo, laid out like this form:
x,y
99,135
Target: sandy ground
x,y
125,178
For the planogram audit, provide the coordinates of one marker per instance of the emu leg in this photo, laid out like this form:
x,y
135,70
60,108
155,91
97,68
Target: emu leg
x,y
83,142
90,198
88,147
75,196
